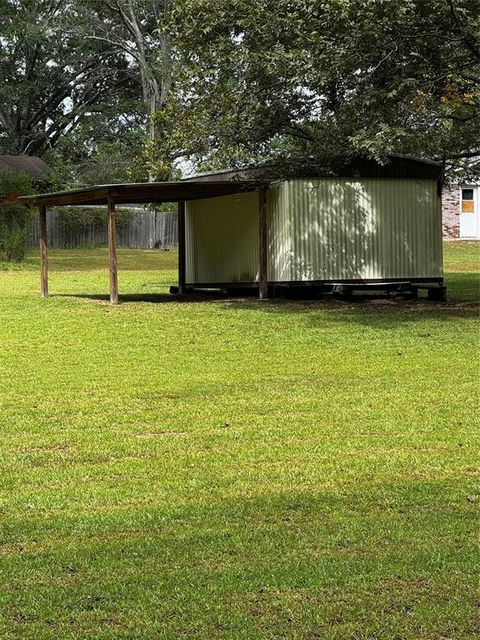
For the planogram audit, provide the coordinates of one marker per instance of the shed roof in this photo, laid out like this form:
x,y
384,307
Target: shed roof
x,y
31,165
396,166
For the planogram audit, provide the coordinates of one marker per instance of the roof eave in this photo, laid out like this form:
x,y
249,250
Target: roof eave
x,y
142,193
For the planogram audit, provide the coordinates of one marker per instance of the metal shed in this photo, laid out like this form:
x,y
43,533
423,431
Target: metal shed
x,y
355,224
364,225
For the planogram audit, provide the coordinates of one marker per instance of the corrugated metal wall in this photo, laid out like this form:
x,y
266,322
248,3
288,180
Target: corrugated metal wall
x,y
339,229
320,229
222,239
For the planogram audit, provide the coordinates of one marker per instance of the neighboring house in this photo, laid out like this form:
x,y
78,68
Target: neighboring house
x,y
31,165
461,211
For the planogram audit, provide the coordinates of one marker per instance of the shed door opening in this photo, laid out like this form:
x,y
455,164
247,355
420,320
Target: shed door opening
x,y
469,213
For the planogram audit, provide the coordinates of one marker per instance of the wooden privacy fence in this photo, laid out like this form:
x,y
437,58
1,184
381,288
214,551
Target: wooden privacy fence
x,y
144,230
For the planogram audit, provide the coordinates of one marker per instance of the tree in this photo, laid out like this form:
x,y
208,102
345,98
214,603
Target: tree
x,y
54,80
104,148
135,29
320,78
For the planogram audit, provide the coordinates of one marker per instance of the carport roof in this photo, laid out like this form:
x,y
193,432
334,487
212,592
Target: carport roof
x,y
142,193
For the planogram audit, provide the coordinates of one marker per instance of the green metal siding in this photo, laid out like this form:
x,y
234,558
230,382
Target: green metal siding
x,y
339,228
222,239
320,229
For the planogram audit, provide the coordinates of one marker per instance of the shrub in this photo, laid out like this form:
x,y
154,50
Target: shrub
x,y
15,184
14,217
14,227
77,218
15,245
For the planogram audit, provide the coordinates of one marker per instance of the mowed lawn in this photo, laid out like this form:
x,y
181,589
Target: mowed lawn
x,y
235,469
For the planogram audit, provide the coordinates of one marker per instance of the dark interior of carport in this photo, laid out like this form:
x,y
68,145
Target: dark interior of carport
x,y
149,193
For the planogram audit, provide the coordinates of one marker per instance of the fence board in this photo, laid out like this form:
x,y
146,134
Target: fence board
x,y
146,230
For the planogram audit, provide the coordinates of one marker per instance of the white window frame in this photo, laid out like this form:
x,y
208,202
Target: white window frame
x,y
474,188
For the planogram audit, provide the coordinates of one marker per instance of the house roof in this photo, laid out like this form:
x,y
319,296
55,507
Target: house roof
x,y
31,165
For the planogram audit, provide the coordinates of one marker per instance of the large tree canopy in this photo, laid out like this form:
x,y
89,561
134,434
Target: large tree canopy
x,y
53,79
275,78
125,88
135,29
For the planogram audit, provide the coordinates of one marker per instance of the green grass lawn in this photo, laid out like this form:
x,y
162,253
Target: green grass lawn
x,y
235,469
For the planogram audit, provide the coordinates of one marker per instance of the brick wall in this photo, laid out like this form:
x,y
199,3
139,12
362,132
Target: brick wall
x,y
451,211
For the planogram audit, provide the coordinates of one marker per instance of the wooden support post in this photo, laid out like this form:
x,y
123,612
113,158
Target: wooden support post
x,y
262,244
42,210
112,251
181,248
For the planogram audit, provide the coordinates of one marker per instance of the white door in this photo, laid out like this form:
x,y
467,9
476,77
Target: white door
x,y
469,213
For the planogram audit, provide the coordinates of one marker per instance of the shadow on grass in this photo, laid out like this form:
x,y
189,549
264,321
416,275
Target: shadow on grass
x,y
376,313
255,564
373,310
153,298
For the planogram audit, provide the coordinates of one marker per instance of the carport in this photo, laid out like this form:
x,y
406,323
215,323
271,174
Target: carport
x,y
149,193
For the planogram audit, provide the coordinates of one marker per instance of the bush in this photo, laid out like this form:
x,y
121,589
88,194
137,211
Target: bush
x,y
14,217
15,184
77,218
15,245
14,227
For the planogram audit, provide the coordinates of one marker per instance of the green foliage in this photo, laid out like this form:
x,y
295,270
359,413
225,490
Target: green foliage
x,y
14,228
93,155
237,82
53,180
14,217
13,243
15,184
63,91
271,79
165,207
75,218
235,469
